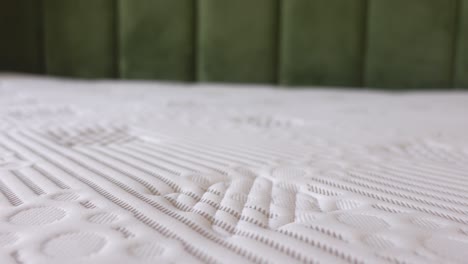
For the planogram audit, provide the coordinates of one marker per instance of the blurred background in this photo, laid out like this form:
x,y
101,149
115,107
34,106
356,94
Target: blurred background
x,y
396,44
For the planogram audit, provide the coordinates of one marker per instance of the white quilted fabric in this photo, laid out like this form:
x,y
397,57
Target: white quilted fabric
x,y
102,172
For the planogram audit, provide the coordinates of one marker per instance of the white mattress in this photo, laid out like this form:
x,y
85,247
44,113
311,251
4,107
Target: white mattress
x,y
103,172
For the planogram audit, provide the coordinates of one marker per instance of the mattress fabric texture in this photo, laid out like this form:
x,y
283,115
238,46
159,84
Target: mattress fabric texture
x,y
122,172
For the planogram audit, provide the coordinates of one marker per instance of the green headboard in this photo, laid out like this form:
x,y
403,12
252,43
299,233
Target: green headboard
x,y
359,43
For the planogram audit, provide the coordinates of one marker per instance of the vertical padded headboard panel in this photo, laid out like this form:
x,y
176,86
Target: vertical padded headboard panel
x,y
322,42
21,38
237,40
374,43
157,39
461,66
80,38
411,43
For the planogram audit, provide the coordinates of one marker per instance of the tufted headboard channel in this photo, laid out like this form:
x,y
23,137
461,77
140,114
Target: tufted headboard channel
x,y
357,43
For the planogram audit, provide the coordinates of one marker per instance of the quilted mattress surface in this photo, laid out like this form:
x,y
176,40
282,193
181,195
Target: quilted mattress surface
x,y
121,172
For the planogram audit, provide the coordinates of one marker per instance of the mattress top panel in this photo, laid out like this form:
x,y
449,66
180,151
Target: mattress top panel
x,y
142,172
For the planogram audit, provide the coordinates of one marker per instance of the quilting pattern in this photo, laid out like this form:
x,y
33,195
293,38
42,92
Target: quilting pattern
x,y
108,172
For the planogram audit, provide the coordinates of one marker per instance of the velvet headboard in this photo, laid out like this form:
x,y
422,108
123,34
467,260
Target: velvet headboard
x,y
359,43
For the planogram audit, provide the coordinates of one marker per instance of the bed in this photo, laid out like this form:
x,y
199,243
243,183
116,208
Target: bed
x,y
153,172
